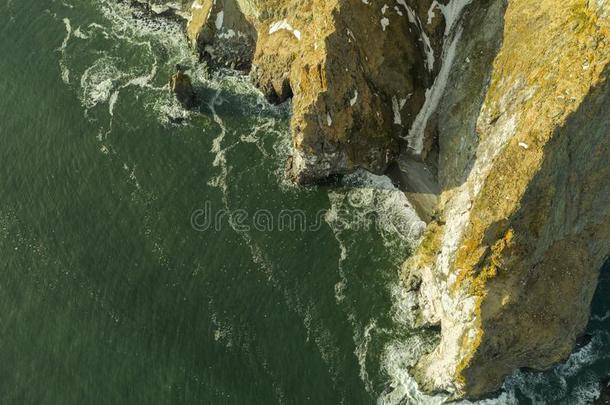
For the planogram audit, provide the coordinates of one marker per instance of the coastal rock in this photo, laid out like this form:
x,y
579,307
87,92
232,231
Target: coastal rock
x,y
180,85
357,72
510,266
165,8
493,113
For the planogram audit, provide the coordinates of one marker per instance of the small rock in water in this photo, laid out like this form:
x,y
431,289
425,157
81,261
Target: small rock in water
x,y
180,84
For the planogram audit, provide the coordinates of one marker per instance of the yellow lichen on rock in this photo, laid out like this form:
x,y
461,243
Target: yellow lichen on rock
x,y
560,67
547,74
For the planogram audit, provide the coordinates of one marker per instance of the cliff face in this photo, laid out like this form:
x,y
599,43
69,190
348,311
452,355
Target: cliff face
x,y
509,268
503,105
358,71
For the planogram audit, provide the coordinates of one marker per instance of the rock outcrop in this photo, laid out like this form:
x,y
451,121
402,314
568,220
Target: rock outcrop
x,y
180,85
358,72
178,9
222,32
509,267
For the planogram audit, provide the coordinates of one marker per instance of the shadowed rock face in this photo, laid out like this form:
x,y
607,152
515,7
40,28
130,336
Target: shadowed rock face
x,y
222,33
180,85
164,8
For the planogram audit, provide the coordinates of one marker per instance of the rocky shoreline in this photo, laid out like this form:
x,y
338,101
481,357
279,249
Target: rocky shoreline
x,y
492,116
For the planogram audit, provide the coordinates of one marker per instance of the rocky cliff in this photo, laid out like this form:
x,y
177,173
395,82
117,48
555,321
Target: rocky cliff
x,y
492,114
509,266
358,72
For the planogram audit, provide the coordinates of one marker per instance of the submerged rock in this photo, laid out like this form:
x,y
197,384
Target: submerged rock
x,y
180,85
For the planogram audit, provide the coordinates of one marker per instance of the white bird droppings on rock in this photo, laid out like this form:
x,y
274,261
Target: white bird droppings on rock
x,y
384,23
353,100
220,19
284,25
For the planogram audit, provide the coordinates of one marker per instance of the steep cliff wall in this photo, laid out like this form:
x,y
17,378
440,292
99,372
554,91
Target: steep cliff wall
x,y
358,71
510,266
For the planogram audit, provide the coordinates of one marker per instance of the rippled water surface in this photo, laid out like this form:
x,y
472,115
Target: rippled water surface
x,y
109,293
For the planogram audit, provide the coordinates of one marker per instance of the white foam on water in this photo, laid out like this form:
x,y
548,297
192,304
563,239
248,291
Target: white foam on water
x,y
269,129
113,99
220,160
398,356
102,83
581,358
65,72
586,392
321,335
338,217
332,218
554,386
362,349
402,352
106,78
601,318
397,220
98,81
365,201
400,229
78,33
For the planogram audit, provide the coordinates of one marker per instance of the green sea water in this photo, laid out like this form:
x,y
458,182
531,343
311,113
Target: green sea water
x,y
114,287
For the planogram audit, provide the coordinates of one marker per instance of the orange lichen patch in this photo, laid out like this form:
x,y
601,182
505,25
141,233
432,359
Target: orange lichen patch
x,y
429,247
471,348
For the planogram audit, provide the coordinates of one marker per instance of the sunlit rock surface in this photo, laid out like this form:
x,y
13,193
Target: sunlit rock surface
x,y
510,265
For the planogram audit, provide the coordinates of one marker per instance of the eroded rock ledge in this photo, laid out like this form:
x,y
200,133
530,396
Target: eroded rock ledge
x,y
504,105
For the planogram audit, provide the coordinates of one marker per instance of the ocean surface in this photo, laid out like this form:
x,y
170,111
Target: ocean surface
x,y
152,255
